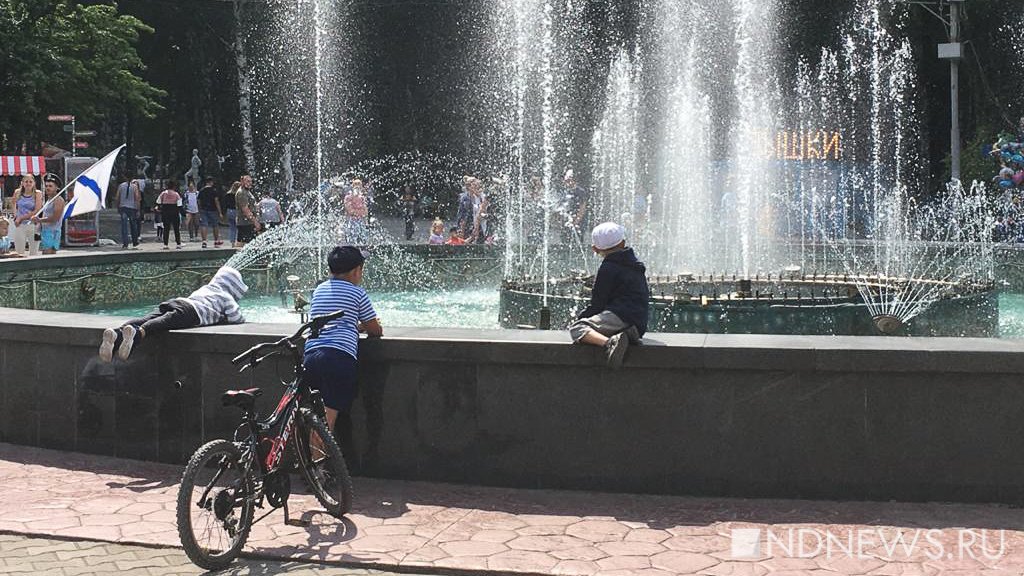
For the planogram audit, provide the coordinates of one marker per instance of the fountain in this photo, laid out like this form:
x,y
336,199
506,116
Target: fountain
x,y
795,201
767,191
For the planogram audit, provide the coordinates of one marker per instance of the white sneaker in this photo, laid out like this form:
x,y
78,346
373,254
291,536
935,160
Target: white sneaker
x,y
128,340
107,346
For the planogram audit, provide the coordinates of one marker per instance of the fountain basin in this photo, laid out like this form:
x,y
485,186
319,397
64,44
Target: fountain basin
x,y
692,414
810,305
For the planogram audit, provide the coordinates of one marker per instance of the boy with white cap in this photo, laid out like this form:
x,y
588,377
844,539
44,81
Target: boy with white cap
x,y
618,309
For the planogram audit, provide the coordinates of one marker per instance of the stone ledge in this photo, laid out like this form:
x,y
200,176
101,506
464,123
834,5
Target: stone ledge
x,y
660,351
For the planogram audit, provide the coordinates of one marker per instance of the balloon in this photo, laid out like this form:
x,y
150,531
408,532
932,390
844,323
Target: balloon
x,y
1006,156
1006,183
1006,173
1018,178
1017,159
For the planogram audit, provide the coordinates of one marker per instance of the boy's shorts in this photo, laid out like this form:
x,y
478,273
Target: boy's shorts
x,y
209,218
606,323
5,244
333,373
49,239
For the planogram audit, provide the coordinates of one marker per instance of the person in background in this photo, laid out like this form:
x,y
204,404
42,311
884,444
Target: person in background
x,y
534,210
464,216
28,201
481,207
210,212
371,191
331,360
50,220
169,202
231,212
454,237
271,214
5,239
129,204
436,233
408,203
574,206
620,300
245,204
214,303
191,202
356,212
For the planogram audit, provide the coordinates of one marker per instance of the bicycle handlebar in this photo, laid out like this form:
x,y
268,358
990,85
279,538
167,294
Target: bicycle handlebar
x,y
314,326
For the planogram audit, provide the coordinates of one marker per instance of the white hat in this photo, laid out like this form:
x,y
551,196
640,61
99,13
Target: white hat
x,y
608,235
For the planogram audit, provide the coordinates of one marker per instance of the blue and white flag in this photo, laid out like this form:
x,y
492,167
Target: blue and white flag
x,y
90,193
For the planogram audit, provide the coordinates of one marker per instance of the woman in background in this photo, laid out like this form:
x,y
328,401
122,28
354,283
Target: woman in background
x,y
27,203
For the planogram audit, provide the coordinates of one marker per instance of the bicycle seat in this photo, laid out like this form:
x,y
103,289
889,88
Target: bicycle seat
x,y
244,399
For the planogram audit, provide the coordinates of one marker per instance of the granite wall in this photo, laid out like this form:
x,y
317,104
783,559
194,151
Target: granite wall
x,y
753,416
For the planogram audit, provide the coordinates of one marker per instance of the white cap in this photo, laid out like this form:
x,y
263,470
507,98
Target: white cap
x,y
608,235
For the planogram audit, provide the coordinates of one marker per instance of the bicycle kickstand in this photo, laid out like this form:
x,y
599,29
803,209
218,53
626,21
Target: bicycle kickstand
x,y
296,522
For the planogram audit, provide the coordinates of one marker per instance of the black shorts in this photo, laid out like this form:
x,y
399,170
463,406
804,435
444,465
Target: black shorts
x,y
333,373
246,233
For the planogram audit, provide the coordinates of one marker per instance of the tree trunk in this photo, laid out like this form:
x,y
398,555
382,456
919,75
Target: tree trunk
x,y
244,90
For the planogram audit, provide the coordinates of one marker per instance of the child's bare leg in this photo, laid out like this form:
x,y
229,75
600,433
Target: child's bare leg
x,y
316,444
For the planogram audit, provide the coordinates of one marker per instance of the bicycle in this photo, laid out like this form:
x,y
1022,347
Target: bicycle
x,y
225,481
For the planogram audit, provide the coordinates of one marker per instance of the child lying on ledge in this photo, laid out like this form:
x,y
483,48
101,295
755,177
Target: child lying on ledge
x,y
214,303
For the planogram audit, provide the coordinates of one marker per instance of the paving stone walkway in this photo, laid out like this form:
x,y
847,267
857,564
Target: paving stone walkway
x,y
27,555
417,526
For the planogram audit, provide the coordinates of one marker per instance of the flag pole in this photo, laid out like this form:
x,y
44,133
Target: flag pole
x,y
73,182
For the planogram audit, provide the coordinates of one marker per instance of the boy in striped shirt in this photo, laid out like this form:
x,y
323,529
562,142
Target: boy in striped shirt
x,y
330,359
214,303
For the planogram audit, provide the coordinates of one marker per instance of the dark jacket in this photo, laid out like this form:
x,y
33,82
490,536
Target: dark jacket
x,y
621,287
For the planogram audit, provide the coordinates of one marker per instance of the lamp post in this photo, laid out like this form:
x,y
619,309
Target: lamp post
x,y
950,12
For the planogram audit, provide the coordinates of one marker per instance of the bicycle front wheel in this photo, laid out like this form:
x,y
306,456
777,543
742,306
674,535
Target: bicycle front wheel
x,y
215,505
322,464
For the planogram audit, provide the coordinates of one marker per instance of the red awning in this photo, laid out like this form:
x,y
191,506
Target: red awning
x,y
20,165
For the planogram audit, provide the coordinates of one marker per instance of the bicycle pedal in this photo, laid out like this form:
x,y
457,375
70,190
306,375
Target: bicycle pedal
x,y
298,522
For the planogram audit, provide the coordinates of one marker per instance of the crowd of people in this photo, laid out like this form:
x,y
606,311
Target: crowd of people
x,y
206,213
203,212
472,222
37,216
1008,153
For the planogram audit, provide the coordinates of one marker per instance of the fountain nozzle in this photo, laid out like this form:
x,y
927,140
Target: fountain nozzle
x,y
888,324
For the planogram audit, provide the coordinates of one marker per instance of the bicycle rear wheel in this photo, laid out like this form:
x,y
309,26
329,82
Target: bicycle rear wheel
x,y
322,464
215,505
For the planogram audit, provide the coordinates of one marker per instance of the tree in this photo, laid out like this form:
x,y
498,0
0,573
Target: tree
x,y
59,56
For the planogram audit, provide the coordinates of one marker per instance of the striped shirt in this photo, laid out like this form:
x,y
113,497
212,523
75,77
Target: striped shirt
x,y
342,334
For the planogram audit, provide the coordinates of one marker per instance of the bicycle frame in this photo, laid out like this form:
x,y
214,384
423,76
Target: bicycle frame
x,y
284,416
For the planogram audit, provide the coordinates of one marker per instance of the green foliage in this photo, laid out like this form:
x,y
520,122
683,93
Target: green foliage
x,y
60,57
973,165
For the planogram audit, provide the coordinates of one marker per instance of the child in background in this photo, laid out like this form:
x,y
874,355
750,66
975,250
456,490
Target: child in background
x,y
214,303
454,239
437,233
618,309
5,238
